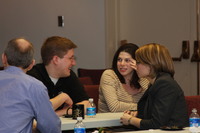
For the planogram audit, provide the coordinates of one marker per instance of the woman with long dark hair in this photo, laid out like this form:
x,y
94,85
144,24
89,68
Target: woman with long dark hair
x,y
120,87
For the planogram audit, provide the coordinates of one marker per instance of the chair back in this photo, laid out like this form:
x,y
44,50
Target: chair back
x,y
192,102
93,92
86,80
94,74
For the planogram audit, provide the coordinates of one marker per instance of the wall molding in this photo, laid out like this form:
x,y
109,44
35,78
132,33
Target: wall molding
x,y
112,29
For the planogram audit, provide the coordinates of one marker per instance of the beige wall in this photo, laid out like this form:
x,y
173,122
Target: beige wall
x,y
36,20
168,22
97,26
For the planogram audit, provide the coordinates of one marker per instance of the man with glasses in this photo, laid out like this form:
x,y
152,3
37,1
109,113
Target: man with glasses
x,y
56,74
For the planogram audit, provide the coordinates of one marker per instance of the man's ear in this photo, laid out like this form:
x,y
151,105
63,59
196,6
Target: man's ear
x,y
31,65
4,60
55,59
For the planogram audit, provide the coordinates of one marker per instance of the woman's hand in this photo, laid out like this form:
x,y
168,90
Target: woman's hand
x,y
131,112
134,113
128,119
125,119
133,64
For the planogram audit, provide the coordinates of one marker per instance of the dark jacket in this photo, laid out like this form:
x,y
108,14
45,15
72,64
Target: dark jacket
x,y
163,104
70,85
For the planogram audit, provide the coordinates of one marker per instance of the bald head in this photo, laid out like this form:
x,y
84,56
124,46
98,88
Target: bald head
x,y
22,44
19,53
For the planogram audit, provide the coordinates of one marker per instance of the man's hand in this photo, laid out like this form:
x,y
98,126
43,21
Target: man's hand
x,y
61,99
68,100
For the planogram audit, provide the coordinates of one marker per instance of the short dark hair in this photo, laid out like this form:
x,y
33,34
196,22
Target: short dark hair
x,y
131,49
17,55
55,45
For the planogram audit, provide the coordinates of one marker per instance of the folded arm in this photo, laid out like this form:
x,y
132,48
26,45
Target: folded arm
x,y
61,99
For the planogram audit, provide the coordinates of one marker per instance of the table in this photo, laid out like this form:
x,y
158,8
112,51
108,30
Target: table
x,y
101,120
185,130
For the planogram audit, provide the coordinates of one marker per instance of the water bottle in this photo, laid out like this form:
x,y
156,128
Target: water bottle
x,y
194,121
194,118
79,126
91,108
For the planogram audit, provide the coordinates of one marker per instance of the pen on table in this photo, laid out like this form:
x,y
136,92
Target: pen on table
x,y
132,110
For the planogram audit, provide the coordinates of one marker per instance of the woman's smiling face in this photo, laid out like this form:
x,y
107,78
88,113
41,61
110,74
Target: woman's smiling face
x,y
123,64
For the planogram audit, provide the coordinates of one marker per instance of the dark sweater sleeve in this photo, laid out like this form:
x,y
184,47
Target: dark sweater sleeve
x,y
166,99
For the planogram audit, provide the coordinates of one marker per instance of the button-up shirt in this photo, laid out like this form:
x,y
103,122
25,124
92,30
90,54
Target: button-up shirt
x,y
23,99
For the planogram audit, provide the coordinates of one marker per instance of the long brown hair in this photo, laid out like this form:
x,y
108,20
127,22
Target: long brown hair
x,y
129,48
